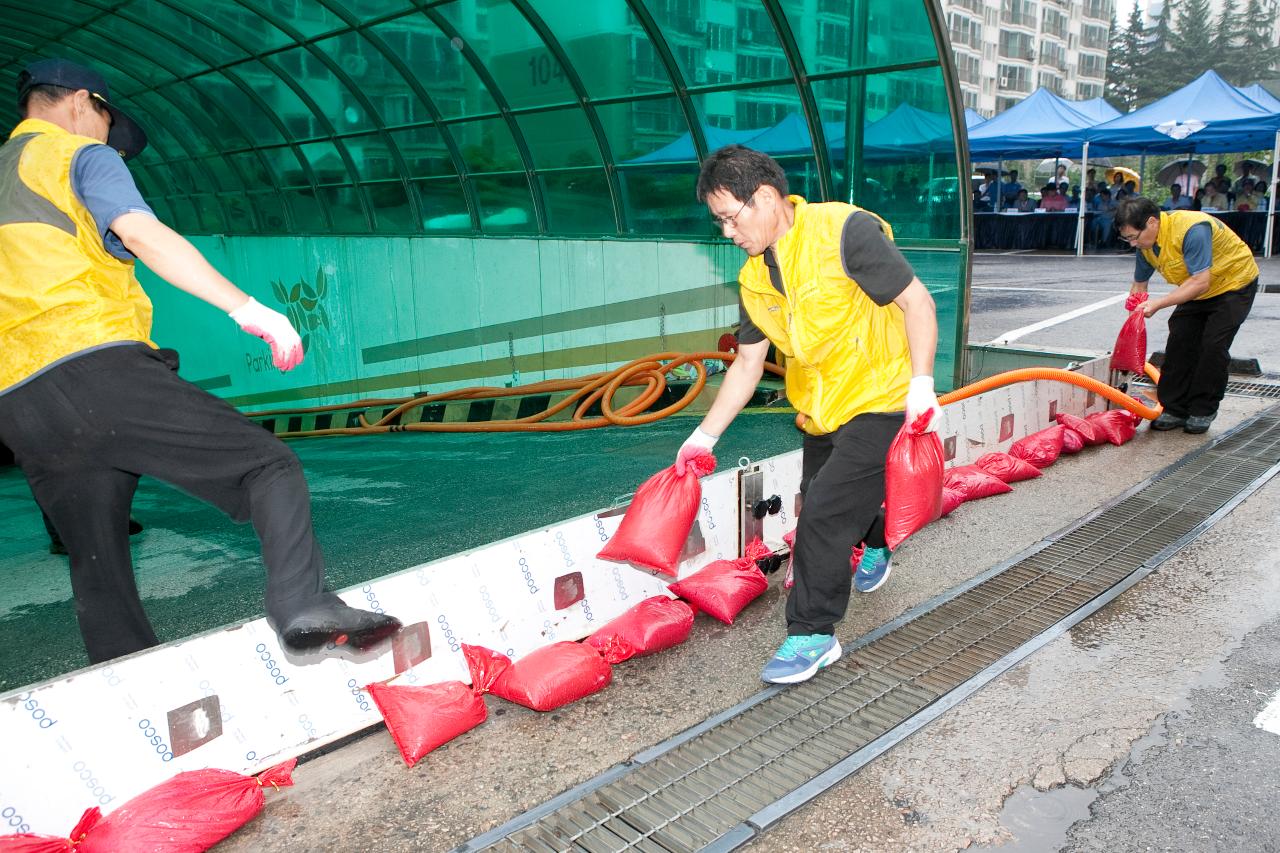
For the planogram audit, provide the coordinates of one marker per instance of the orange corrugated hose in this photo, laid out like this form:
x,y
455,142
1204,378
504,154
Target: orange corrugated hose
x,y
1027,374
651,372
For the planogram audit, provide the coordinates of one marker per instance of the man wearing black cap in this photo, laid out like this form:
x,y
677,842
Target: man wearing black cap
x,y
88,404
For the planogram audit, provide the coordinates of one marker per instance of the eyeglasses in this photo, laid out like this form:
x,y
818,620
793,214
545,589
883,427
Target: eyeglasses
x,y
732,221
1131,238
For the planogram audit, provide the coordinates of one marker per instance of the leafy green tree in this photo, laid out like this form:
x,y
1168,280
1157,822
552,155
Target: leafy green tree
x,y
1124,51
1257,56
1189,41
1157,63
1226,35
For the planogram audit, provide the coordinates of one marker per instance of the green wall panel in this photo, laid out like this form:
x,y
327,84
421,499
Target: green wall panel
x,y
386,316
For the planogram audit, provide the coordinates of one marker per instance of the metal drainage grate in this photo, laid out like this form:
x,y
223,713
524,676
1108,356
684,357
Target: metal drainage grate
x,y
1236,388
724,782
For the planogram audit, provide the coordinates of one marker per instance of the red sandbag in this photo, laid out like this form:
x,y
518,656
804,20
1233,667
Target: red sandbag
x,y
1117,426
658,522
1006,468
1041,448
1130,350
186,814
654,624
912,481
423,718
951,498
29,842
552,676
724,587
1072,441
1088,431
972,483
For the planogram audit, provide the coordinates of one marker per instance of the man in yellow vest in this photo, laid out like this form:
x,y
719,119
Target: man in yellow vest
x,y
1215,279
88,404
857,330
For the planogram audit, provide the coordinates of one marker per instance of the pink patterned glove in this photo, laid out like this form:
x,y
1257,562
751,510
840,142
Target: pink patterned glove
x,y
274,328
696,444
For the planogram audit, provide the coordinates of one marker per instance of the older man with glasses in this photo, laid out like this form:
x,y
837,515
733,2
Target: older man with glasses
x,y
826,284
1215,279
88,403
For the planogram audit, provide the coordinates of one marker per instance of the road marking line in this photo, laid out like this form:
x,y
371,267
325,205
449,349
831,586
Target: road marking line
x,y
1013,335
1038,289
1269,719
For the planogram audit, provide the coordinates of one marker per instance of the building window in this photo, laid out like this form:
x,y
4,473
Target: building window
x,y
1015,45
1015,78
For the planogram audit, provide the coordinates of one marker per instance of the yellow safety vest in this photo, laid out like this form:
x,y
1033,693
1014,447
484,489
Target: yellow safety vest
x,y
845,355
1233,264
61,292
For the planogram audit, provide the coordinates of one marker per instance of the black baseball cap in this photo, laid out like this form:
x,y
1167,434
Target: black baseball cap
x,y
126,135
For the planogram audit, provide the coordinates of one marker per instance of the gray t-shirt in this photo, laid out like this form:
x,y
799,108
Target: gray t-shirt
x,y
869,257
1197,252
104,185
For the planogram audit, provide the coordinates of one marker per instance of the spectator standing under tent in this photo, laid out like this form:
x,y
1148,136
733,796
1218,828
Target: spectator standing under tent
x,y
1009,189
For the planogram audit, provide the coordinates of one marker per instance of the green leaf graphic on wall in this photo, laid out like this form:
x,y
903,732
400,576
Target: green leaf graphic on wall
x,y
303,305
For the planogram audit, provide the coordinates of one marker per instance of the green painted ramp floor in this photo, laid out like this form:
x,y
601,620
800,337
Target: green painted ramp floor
x,y
381,504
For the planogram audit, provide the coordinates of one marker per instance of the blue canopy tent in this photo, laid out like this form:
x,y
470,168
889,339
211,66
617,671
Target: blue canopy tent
x,y
1260,96
681,150
1043,125
1096,109
907,130
1208,115
972,118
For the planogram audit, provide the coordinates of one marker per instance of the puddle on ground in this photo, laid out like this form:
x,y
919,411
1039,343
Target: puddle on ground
x,y
1039,820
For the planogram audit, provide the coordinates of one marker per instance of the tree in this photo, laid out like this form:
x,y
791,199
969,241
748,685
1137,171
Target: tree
x,y
1226,34
1189,39
1157,64
1124,50
1257,57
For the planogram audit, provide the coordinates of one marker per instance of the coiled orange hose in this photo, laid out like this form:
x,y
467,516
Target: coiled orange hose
x,y
651,372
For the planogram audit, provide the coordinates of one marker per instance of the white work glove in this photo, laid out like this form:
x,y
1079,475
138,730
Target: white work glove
x,y
693,446
921,399
274,328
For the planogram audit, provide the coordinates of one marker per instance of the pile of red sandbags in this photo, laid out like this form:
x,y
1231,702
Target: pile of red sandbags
x,y
190,812
992,473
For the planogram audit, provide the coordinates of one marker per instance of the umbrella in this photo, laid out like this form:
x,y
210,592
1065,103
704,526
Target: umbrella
x,y
1049,165
1129,175
1257,167
1172,169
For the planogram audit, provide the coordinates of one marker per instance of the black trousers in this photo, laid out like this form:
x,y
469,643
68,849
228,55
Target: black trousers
x,y
84,431
1197,355
842,484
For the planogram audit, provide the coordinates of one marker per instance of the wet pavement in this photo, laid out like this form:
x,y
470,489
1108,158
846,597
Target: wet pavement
x,y
1144,710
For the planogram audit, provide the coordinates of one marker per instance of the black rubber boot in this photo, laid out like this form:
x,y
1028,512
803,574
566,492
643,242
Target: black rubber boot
x,y
334,622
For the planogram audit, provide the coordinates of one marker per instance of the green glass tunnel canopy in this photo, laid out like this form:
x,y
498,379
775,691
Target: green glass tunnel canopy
x,y
511,117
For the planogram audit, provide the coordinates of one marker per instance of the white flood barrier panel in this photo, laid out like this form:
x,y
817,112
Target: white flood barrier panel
x,y
232,699
1269,718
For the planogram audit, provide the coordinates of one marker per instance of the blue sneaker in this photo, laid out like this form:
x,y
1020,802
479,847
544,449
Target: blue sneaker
x,y
800,658
873,569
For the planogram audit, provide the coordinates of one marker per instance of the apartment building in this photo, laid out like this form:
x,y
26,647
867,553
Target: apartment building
x,y
1005,49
